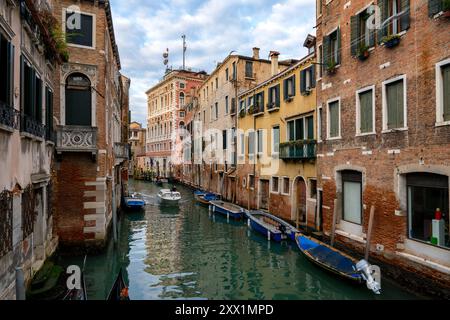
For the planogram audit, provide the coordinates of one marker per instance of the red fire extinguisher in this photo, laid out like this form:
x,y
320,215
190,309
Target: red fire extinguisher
x,y
438,214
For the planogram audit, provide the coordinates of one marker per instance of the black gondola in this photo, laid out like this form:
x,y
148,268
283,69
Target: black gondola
x,y
119,291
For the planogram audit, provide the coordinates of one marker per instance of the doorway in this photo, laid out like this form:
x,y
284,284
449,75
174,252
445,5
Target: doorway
x,y
264,194
299,198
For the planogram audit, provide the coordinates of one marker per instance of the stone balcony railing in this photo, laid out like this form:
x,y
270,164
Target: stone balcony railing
x,y
122,150
76,139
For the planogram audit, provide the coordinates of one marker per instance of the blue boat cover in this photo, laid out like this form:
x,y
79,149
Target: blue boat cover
x,y
210,197
333,259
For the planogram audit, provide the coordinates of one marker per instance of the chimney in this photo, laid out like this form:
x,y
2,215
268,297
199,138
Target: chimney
x,y
274,60
256,53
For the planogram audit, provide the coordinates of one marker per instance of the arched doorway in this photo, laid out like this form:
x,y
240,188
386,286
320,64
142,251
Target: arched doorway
x,y
299,200
78,100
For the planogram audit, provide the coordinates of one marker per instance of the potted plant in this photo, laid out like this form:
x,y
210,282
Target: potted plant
x,y
363,52
251,109
391,41
446,8
331,67
242,113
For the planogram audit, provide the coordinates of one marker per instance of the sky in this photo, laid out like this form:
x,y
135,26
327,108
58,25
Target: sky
x,y
213,28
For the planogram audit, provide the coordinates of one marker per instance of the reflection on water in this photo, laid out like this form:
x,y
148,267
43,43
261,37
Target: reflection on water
x,y
183,252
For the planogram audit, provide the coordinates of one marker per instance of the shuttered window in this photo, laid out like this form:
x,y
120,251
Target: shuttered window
x,y
274,96
276,139
333,114
309,127
80,33
361,36
352,196
31,87
395,17
249,69
49,111
332,48
394,104
434,7
307,80
289,87
6,71
446,92
366,111
251,142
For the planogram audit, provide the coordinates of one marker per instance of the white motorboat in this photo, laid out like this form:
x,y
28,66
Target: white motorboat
x,y
168,195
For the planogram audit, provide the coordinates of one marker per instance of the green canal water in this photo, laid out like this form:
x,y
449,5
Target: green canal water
x,y
184,253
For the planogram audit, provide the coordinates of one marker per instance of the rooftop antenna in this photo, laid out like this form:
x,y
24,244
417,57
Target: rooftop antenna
x,y
166,59
184,51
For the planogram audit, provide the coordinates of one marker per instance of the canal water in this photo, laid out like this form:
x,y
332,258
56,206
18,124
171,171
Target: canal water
x,y
182,252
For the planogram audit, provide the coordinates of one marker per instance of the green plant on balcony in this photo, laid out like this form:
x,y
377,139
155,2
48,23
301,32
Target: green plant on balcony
x,y
391,41
242,113
251,109
58,36
331,67
363,52
446,8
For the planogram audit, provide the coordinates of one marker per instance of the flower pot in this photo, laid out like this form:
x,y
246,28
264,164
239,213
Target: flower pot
x,y
392,43
363,55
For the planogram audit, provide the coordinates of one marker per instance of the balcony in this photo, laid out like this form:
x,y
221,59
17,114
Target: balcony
x,y
256,110
298,150
31,128
76,139
122,151
9,118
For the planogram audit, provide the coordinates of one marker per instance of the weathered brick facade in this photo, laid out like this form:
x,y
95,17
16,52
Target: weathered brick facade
x,y
385,157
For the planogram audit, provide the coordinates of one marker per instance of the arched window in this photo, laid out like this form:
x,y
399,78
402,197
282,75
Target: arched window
x,y
181,99
181,125
78,100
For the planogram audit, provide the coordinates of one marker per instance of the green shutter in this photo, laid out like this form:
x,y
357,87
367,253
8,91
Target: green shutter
x,y
338,37
10,75
395,105
400,106
446,86
269,96
354,30
303,81
365,99
293,85
434,7
310,124
404,20
334,119
291,130
313,76
277,96
326,57
285,92
383,5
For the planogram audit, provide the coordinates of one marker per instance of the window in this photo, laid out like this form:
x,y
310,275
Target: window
x,y
260,134
286,186
242,105
332,49
435,7
49,112
319,124
275,140
78,100
274,97
251,143
226,74
182,85
365,111
443,91
334,121
300,129
320,59
182,114
251,181
428,211
259,105
224,140
394,104
216,110
394,17
226,105
251,101
307,80
234,71
313,188
289,88
319,7
82,35
249,69
6,71
217,83
352,196
211,115
275,185
242,144
362,37
181,99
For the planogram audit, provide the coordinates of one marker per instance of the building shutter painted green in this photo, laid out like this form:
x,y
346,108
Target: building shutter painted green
x,y
354,32
338,37
310,127
38,98
303,81
313,76
293,85
405,18
10,75
277,96
326,57
395,104
285,91
434,7
334,119
365,99
291,130
446,86
383,5
269,96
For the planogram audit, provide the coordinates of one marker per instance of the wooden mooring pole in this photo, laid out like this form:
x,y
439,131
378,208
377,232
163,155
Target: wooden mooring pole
x,y
333,226
369,232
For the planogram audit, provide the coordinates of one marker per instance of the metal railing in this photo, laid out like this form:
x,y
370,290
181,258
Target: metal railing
x,y
32,126
9,116
298,150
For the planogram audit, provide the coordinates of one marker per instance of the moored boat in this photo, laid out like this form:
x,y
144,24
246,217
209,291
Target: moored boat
x,y
134,202
271,226
119,290
169,196
338,262
227,209
205,199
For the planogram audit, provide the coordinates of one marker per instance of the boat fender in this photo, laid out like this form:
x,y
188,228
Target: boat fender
x,y
248,223
268,235
371,274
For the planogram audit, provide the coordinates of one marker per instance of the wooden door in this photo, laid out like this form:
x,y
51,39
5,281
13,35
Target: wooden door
x,y
264,195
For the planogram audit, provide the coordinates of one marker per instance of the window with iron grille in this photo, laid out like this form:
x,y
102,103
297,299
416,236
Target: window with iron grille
x,y
28,211
6,216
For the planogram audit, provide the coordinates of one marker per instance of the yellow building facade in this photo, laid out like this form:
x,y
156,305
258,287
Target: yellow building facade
x,y
277,130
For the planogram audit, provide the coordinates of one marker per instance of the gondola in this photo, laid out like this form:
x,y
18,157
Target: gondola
x,y
119,290
337,262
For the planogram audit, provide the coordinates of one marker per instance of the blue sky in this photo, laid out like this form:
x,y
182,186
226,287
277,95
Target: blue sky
x,y
145,28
